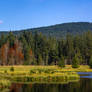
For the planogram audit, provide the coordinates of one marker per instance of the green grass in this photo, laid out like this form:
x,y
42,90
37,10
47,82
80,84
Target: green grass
x,y
40,74
27,69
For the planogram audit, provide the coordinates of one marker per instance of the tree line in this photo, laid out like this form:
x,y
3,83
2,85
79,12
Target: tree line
x,y
37,49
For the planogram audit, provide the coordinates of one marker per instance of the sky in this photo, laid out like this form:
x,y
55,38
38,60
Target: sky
x,y
24,14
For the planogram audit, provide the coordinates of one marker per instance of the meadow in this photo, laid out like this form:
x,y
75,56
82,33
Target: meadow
x,y
26,69
39,74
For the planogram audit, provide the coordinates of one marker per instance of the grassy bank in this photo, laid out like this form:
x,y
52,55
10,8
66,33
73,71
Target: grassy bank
x,y
82,68
36,74
40,74
26,69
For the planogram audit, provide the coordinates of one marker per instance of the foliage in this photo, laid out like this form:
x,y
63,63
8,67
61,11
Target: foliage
x,y
12,69
61,62
75,62
90,62
37,49
37,74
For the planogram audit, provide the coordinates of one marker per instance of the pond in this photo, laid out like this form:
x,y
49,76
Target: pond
x,y
83,85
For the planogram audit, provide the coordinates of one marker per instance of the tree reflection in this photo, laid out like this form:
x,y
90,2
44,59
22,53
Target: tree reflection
x,y
84,85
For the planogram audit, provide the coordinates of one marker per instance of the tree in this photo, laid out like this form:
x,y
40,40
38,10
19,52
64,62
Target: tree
x,y
89,46
61,62
19,56
61,49
40,60
4,54
3,40
11,39
32,60
26,54
53,57
75,62
11,54
90,62
69,48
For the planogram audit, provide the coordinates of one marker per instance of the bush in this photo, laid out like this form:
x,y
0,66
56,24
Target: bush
x,y
5,71
12,69
32,71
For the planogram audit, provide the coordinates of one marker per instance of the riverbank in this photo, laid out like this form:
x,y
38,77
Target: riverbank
x,y
26,69
40,74
82,68
36,74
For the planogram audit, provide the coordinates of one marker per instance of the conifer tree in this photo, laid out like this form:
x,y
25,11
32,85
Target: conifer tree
x,y
40,60
61,62
90,62
75,62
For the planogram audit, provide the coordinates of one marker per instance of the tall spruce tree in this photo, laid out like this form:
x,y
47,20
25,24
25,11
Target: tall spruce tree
x,y
90,62
69,48
61,62
75,62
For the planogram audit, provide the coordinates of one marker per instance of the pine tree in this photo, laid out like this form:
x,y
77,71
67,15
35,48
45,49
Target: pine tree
x,y
3,40
11,39
40,60
4,54
75,62
53,57
61,62
69,48
90,62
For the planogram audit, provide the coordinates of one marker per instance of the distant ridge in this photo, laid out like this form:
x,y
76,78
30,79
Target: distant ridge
x,y
59,30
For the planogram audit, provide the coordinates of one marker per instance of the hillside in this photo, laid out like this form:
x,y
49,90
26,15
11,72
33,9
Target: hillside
x,y
60,29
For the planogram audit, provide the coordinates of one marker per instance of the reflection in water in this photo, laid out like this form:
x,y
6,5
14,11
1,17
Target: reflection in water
x,y
85,74
16,88
4,90
84,85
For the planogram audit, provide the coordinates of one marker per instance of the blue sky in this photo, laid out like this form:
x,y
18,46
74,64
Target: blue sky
x,y
22,14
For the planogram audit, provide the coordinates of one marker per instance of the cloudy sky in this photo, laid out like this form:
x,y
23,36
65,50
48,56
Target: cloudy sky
x,y
22,14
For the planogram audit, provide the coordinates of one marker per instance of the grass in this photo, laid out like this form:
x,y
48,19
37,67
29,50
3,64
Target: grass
x,y
82,68
26,69
39,74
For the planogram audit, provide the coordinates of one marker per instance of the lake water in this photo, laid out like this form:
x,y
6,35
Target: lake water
x,y
84,85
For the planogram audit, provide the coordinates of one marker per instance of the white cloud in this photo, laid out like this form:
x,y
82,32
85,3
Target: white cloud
x,y
1,21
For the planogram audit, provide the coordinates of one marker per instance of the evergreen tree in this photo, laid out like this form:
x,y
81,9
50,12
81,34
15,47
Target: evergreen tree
x,y
40,60
61,62
3,40
69,48
90,62
53,57
75,62
61,45
11,39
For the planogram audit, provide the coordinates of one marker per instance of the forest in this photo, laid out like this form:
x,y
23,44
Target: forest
x,y
37,49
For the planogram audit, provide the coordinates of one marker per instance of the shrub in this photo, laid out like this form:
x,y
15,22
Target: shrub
x,y
32,71
5,71
12,69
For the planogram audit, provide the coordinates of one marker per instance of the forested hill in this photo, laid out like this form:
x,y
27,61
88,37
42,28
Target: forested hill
x,y
61,29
